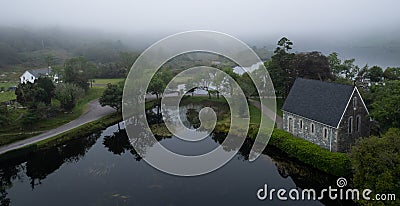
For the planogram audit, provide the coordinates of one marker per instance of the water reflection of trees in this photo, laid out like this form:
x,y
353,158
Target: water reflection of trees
x,y
192,115
43,163
304,176
7,175
118,143
38,165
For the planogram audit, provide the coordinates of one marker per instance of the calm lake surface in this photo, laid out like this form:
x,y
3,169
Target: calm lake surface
x,y
103,169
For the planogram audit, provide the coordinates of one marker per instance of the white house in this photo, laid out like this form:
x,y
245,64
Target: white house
x,y
33,74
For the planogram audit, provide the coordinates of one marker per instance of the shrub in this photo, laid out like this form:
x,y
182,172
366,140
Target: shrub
x,y
334,163
376,163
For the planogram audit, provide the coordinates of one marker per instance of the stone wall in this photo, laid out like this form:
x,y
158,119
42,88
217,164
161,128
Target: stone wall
x,y
317,137
346,139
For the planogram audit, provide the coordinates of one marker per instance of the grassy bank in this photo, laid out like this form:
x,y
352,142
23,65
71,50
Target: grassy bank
x,y
81,131
279,104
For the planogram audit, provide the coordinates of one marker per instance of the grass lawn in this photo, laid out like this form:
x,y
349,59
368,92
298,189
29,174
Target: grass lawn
x,y
279,104
102,82
182,79
62,118
255,113
199,99
6,96
7,84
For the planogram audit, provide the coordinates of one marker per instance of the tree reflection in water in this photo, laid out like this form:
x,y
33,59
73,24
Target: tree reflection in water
x,y
7,176
192,115
38,165
118,143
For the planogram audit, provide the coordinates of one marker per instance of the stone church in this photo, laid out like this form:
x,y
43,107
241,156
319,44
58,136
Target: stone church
x,y
328,114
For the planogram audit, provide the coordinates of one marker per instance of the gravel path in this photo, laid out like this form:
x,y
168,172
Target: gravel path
x,y
93,112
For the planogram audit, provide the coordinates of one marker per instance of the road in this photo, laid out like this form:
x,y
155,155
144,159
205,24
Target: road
x,y
269,113
93,112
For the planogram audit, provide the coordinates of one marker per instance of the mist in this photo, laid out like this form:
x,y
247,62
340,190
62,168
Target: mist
x,y
363,29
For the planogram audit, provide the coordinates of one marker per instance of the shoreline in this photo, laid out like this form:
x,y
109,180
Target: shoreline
x,y
333,163
78,132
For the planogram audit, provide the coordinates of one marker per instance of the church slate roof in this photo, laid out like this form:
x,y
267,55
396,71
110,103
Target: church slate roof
x,y
324,102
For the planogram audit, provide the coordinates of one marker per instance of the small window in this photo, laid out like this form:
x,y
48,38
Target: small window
x,y
301,124
358,123
355,103
290,124
312,128
350,125
325,132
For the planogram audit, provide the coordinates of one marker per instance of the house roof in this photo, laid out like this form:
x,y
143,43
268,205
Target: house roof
x,y
39,72
324,102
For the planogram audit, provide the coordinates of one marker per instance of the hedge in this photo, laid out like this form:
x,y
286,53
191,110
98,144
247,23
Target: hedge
x,y
334,163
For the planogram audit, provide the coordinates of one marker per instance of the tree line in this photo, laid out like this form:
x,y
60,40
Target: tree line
x,y
21,47
376,159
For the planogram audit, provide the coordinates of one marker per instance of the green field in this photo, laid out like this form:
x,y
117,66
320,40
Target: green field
x,y
103,82
255,113
279,104
7,84
7,95
182,79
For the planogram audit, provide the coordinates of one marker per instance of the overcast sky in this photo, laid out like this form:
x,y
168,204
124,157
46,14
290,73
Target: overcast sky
x,y
232,16
245,19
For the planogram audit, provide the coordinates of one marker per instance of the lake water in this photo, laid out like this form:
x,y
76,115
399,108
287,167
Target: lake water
x,y
103,169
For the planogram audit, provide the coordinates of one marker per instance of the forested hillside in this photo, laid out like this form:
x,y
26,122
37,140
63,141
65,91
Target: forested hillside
x,y
22,47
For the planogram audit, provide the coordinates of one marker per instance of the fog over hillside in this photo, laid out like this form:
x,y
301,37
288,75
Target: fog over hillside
x,y
362,29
